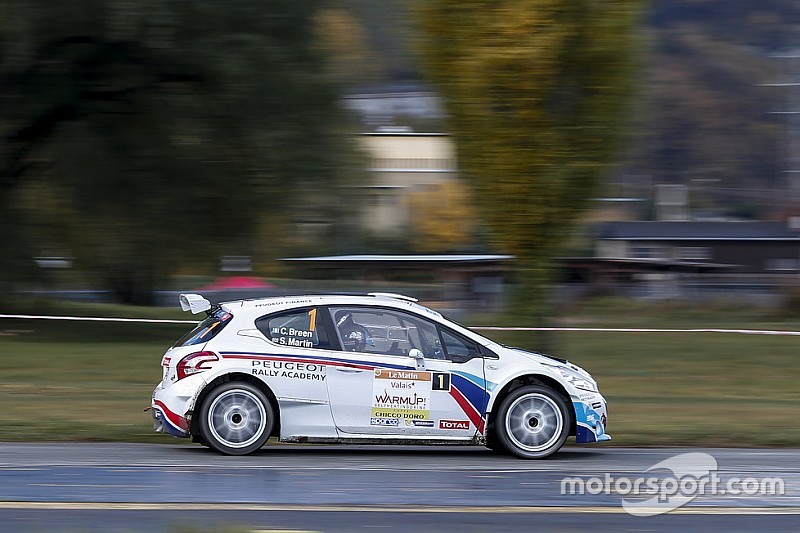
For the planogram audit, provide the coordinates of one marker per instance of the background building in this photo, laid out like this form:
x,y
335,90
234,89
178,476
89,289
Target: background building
x,y
401,162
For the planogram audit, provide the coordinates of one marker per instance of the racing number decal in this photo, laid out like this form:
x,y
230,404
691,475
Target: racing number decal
x,y
312,319
441,381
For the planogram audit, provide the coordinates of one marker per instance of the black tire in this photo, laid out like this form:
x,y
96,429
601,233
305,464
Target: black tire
x,y
236,418
532,422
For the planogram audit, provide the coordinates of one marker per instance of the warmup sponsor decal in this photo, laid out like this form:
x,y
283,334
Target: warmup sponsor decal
x,y
453,424
401,394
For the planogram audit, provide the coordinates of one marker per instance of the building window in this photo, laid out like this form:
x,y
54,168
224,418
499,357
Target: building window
x,y
694,253
644,251
410,164
782,264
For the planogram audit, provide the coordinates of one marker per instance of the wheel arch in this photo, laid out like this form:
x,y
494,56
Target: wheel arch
x,y
522,381
194,428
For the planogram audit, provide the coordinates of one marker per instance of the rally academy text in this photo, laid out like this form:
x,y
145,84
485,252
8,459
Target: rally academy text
x,y
289,369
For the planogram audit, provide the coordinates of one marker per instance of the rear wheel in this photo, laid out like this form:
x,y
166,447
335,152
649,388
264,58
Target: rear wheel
x,y
533,422
236,418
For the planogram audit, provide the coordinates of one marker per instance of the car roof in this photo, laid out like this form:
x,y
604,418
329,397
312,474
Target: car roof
x,y
262,306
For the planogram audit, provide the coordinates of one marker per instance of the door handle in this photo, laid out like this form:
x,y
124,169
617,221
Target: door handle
x,y
349,369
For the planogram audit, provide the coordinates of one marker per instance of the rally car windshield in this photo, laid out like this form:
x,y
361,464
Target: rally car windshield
x,y
205,330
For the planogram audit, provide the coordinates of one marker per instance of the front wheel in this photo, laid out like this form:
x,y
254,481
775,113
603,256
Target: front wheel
x,y
533,422
236,418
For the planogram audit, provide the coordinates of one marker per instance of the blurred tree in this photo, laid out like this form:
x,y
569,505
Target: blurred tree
x,y
536,91
441,217
145,135
343,37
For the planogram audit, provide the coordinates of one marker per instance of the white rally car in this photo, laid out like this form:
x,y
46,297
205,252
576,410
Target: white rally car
x,y
364,369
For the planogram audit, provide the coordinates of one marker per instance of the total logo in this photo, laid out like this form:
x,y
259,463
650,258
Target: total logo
x,y
453,424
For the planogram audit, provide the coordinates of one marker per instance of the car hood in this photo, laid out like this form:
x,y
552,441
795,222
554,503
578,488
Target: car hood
x,y
548,360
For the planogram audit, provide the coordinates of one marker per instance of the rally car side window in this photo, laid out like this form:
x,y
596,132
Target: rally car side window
x,y
381,331
299,328
459,349
205,330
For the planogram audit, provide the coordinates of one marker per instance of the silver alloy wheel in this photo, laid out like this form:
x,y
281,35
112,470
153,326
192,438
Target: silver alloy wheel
x,y
237,418
534,422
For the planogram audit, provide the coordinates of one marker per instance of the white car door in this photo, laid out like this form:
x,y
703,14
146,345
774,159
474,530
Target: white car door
x,y
379,388
460,375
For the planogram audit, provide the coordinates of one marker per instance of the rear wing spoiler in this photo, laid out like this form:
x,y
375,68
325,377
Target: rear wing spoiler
x,y
194,303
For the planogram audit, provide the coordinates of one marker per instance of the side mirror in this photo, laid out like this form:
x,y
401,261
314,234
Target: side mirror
x,y
417,356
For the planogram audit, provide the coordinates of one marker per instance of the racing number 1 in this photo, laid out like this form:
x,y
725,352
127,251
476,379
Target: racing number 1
x,y
441,381
312,319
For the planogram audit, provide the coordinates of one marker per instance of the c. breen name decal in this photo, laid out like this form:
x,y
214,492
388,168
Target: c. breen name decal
x,y
288,369
299,338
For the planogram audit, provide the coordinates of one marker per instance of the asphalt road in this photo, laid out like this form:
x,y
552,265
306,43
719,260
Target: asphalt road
x,y
138,487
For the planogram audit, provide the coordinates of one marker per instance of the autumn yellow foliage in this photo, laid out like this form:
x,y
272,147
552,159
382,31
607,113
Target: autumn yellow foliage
x,y
536,91
442,217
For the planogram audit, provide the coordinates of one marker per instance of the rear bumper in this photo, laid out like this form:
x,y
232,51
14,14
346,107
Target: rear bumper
x,y
165,421
171,406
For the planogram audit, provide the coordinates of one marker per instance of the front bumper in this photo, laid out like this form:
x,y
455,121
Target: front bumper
x,y
591,418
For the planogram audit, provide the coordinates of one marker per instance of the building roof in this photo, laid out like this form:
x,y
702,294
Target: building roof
x,y
641,265
400,259
698,231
